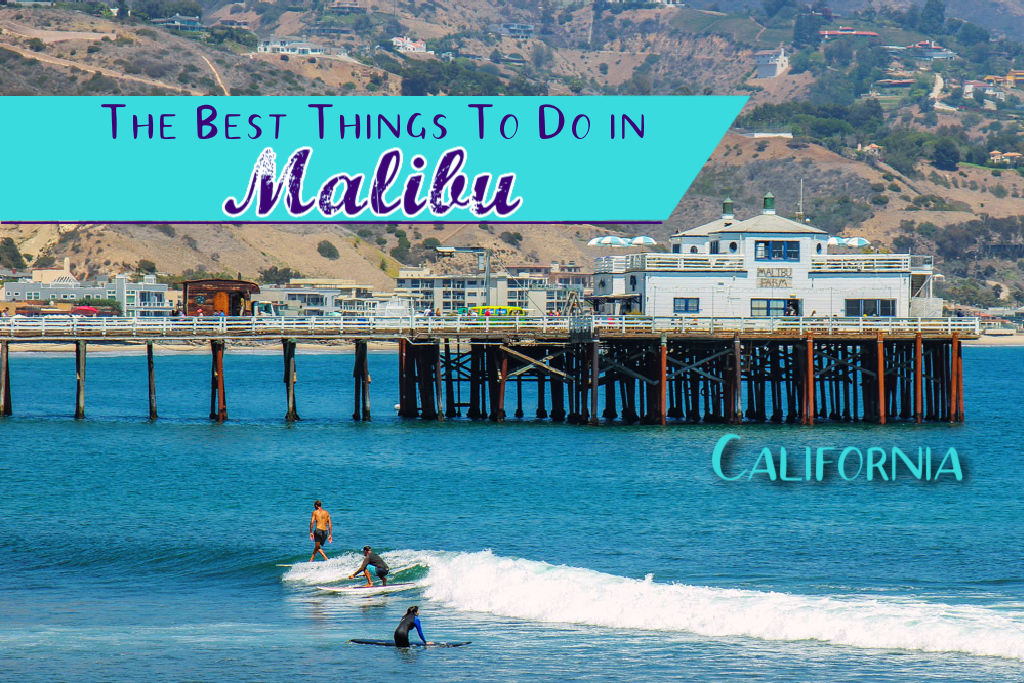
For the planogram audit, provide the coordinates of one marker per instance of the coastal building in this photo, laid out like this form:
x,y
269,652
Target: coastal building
x,y
447,293
290,46
317,296
988,90
179,22
407,44
218,297
144,298
1014,78
764,266
772,63
519,31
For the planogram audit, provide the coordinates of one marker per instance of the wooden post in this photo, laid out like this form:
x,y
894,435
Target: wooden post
x,y
959,379
595,379
80,377
736,409
449,384
435,358
218,401
357,380
152,381
663,382
498,408
918,380
5,380
880,369
289,378
954,389
809,382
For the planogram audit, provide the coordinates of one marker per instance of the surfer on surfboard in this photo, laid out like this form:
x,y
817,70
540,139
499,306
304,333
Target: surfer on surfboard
x,y
372,561
320,530
410,620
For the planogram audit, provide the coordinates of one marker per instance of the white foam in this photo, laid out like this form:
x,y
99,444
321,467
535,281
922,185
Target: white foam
x,y
541,592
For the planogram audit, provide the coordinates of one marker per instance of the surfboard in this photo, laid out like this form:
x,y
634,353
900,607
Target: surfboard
x,y
391,643
369,590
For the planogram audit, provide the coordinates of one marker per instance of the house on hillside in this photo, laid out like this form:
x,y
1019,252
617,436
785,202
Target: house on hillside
x,y
407,44
179,23
518,31
845,31
772,63
290,46
988,90
1014,78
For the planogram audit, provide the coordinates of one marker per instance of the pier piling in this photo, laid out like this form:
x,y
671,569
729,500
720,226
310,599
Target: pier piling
x,y
5,380
152,381
218,401
80,379
291,415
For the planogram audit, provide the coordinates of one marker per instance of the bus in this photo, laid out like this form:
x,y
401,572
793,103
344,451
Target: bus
x,y
514,311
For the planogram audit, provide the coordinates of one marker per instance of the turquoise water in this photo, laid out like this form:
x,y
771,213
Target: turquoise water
x,y
595,553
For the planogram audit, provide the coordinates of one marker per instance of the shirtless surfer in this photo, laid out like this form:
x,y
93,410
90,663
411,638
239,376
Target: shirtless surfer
x,y
320,530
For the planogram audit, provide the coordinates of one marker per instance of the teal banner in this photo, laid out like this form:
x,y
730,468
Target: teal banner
x,y
353,159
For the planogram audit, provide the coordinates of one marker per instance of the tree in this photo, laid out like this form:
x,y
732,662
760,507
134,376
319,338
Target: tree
x,y
327,249
146,266
44,261
945,155
933,17
278,276
972,34
805,30
10,257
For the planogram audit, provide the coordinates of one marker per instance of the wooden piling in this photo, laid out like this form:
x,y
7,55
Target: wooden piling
x,y
595,379
809,381
880,370
736,384
361,380
450,408
218,401
918,380
958,349
5,380
152,381
953,388
80,377
288,347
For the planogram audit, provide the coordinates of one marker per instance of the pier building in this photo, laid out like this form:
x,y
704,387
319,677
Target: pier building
x,y
764,266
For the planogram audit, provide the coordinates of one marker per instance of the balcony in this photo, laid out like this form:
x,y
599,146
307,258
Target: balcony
x,y
693,263
871,263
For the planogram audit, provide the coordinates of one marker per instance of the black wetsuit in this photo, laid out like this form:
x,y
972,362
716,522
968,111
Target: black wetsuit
x,y
409,621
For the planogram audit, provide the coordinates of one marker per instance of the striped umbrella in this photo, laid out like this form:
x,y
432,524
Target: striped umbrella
x,y
642,240
607,241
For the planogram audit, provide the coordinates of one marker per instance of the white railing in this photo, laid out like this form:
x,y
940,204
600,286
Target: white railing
x,y
787,325
684,262
610,264
861,263
318,327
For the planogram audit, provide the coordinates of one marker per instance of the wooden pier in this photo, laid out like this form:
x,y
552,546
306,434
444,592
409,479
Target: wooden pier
x,y
585,369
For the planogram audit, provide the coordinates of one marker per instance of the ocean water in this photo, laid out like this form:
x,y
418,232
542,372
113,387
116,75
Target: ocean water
x,y
141,550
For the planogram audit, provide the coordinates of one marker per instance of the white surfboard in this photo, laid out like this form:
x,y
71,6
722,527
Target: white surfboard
x,y
369,590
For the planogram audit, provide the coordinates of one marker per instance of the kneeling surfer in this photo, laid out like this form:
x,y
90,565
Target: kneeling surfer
x,y
371,560
410,620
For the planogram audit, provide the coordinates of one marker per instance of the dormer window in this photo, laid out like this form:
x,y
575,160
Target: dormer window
x,y
693,250
733,247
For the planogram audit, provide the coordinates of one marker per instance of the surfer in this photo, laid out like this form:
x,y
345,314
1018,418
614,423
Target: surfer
x,y
411,619
320,530
371,560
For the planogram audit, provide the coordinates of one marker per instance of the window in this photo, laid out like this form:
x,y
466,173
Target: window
x,y
733,247
675,248
773,308
777,250
684,305
693,250
713,247
856,308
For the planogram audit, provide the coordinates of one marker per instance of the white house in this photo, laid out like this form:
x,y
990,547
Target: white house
x,y
772,63
766,265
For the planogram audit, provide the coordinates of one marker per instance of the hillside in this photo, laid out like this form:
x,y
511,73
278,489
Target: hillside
x,y
830,100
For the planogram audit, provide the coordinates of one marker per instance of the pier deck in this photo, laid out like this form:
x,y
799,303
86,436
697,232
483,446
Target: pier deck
x,y
554,329
652,370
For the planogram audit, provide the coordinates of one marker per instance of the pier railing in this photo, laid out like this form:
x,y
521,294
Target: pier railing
x,y
320,327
